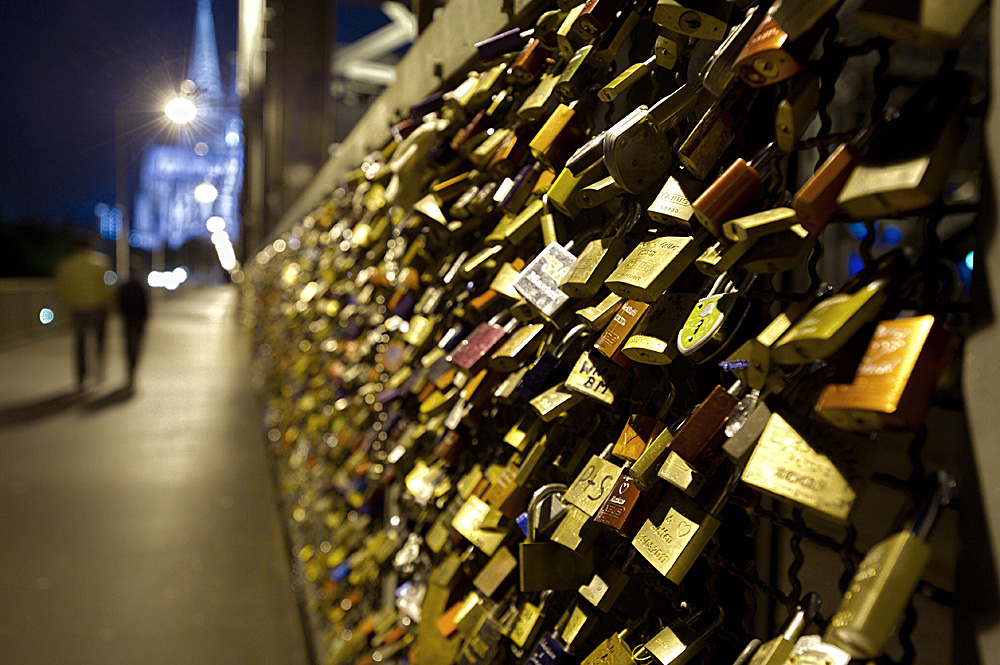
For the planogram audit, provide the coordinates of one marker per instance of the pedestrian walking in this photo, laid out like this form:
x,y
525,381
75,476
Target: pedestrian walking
x,y
82,283
133,303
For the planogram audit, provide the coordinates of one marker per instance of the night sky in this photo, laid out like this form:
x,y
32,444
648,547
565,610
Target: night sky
x,y
64,67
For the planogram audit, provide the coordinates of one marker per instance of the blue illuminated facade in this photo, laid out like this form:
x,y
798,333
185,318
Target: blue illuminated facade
x,y
208,150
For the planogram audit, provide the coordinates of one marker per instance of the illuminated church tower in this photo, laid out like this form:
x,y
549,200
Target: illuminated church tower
x,y
208,152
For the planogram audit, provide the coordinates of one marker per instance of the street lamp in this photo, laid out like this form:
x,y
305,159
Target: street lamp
x,y
181,110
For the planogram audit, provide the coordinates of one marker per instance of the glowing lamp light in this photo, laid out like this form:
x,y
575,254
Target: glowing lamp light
x,y
969,260
206,192
181,110
215,224
46,316
110,277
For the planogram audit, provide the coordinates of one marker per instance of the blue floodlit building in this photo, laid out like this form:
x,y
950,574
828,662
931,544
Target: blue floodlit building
x,y
208,150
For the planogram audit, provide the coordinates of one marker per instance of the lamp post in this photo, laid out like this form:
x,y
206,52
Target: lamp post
x,y
121,199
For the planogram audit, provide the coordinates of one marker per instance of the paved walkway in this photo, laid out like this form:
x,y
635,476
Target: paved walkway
x,y
142,530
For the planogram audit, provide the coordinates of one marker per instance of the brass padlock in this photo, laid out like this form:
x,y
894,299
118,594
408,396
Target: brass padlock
x,y
576,76
786,467
796,111
654,341
611,42
479,523
599,257
682,640
718,72
700,20
593,484
721,257
559,136
894,384
554,402
778,650
598,316
831,322
674,536
537,103
568,38
564,194
495,571
671,207
549,565
514,229
518,348
885,581
612,651
649,270
703,147
596,379
529,621
779,251
629,77
756,226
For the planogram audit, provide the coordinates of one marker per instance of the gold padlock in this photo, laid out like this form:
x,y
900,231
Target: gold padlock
x,y
649,270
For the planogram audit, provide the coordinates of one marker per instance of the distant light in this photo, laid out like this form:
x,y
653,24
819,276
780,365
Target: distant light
x,y
110,278
279,245
215,224
969,260
180,273
46,316
857,230
854,264
201,148
232,139
181,110
891,235
221,238
206,192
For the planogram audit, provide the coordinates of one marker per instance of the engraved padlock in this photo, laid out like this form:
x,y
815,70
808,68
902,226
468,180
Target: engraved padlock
x,y
599,257
886,578
674,536
654,340
672,206
620,327
652,267
539,282
595,378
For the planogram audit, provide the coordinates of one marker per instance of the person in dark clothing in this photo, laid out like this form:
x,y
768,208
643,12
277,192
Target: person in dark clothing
x,y
133,303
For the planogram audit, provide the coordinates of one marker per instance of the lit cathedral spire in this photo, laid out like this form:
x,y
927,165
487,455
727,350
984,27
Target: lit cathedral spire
x,y
204,66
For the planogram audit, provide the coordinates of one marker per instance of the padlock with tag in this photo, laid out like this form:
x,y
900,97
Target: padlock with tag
x,y
549,565
785,466
828,325
599,257
886,578
676,532
713,320
683,639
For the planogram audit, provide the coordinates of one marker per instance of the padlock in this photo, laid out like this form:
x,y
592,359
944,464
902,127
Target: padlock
x,y
482,645
569,38
514,229
549,565
778,650
627,506
815,202
509,493
672,207
796,112
472,353
593,484
652,267
742,438
598,316
612,651
523,433
785,466
529,622
638,146
756,226
596,378
830,323
529,63
619,30
885,580
507,158
629,77
596,16
718,72
564,194
779,251
576,530
576,76
771,54
544,370
713,319
894,384
675,534
608,584
495,571
812,650
733,192
654,341
896,178
503,43
682,640
503,280
479,522
700,20
554,402
599,192
484,152
519,347
929,23
641,428
522,187
559,136
599,257
710,137
539,282
721,257
537,103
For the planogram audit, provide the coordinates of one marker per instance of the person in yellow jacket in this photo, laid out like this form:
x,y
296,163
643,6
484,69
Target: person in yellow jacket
x,y
81,279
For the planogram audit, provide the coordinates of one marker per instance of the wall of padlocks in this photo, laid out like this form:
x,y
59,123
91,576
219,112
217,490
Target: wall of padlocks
x,y
607,355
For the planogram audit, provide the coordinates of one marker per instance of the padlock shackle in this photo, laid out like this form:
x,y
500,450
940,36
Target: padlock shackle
x,y
727,489
944,492
805,613
535,503
748,651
